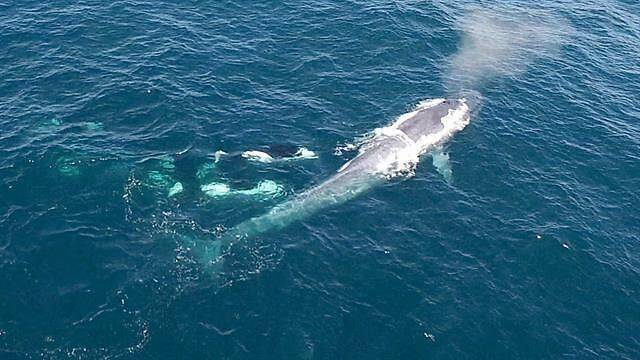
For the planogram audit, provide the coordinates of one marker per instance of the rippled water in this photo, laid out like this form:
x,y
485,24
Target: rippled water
x,y
531,251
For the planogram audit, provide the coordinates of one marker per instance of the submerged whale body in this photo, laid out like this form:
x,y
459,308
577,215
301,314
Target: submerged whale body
x,y
389,152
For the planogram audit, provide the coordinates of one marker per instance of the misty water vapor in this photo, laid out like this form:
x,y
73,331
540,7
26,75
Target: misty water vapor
x,y
502,42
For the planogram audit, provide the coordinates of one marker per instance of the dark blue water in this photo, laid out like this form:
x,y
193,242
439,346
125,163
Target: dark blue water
x,y
531,251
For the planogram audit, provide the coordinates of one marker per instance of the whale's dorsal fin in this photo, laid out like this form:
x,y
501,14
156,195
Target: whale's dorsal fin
x,y
442,164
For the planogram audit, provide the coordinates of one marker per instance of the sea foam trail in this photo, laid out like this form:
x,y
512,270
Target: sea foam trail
x,y
502,41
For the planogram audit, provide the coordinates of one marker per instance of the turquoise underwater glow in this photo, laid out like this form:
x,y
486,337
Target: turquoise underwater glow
x,y
124,132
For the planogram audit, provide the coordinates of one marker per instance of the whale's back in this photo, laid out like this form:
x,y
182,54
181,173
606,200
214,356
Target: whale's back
x,y
427,120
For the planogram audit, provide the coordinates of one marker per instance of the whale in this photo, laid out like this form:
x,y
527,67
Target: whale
x,y
388,152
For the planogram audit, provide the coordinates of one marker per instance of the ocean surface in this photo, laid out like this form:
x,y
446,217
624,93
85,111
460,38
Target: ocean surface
x,y
111,114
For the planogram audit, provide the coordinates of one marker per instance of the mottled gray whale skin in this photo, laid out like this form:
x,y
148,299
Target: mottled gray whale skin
x,y
392,150
428,121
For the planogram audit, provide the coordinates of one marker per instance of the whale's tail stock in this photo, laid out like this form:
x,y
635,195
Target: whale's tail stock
x,y
211,250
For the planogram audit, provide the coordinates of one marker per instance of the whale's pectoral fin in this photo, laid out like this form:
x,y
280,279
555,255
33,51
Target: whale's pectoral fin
x,y
442,164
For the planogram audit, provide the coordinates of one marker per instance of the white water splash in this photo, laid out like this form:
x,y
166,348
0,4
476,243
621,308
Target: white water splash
x,y
260,156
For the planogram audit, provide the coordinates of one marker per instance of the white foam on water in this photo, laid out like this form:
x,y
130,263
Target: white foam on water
x,y
218,154
259,156
355,144
175,189
265,188
216,189
304,153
